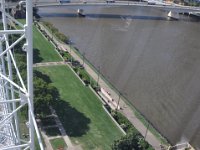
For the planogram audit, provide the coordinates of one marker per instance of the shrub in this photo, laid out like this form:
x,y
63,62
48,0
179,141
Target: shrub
x,y
67,56
56,32
127,126
84,75
133,139
62,37
80,75
128,142
93,84
75,69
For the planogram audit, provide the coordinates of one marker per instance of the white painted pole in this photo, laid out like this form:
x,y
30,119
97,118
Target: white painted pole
x,y
29,42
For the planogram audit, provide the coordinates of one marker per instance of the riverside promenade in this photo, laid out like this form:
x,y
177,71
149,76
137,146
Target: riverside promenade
x,y
126,110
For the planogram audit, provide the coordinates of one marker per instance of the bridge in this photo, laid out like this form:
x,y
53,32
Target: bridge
x,y
172,9
164,6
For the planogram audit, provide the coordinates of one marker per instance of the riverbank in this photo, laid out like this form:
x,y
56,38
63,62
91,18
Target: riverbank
x,y
81,108
126,110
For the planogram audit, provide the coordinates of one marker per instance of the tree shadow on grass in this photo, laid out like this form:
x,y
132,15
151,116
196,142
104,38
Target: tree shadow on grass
x,y
36,56
52,131
43,76
75,123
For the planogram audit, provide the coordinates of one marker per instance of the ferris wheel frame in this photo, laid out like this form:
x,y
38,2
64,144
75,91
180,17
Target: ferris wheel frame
x,y
14,96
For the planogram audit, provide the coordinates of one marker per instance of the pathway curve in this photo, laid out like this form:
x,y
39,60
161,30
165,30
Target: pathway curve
x,y
126,110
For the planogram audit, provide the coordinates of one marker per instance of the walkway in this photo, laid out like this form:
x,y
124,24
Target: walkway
x,y
48,64
126,110
63,135
46,141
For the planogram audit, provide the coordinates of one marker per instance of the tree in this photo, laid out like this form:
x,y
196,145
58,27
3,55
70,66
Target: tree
x,y
128,142
143,145
44,93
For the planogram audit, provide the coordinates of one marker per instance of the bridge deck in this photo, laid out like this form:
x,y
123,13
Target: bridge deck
x,y
164,6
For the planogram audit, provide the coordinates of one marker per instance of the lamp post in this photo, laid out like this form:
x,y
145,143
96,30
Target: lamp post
x,y
90,80
83,58
146,132
52,34
70,51
120,94
98,75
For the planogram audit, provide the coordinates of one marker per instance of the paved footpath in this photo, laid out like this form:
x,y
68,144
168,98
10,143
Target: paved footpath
x,y
64,135
126,110
46,140
48,64
48,146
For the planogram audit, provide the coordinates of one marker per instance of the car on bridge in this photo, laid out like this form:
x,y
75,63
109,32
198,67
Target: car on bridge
x,y
110,1
151,3
64,1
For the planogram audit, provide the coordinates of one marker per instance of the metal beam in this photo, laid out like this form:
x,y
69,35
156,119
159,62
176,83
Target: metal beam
x,y
11,32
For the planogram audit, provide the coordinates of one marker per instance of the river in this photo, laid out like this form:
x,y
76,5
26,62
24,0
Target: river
x,y
153,61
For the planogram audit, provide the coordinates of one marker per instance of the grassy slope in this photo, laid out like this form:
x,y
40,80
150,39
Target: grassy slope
x,y
84,118
44,48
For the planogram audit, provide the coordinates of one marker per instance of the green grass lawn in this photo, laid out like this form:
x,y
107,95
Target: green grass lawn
x,y
58,143
81,112
43,49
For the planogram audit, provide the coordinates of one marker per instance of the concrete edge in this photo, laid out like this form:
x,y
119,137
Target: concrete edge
x,y
104,103
114,120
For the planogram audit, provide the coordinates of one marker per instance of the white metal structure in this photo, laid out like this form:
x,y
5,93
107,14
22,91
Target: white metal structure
x,y
16,95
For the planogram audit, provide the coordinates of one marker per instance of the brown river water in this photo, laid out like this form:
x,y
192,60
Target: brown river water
x,y
153,61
